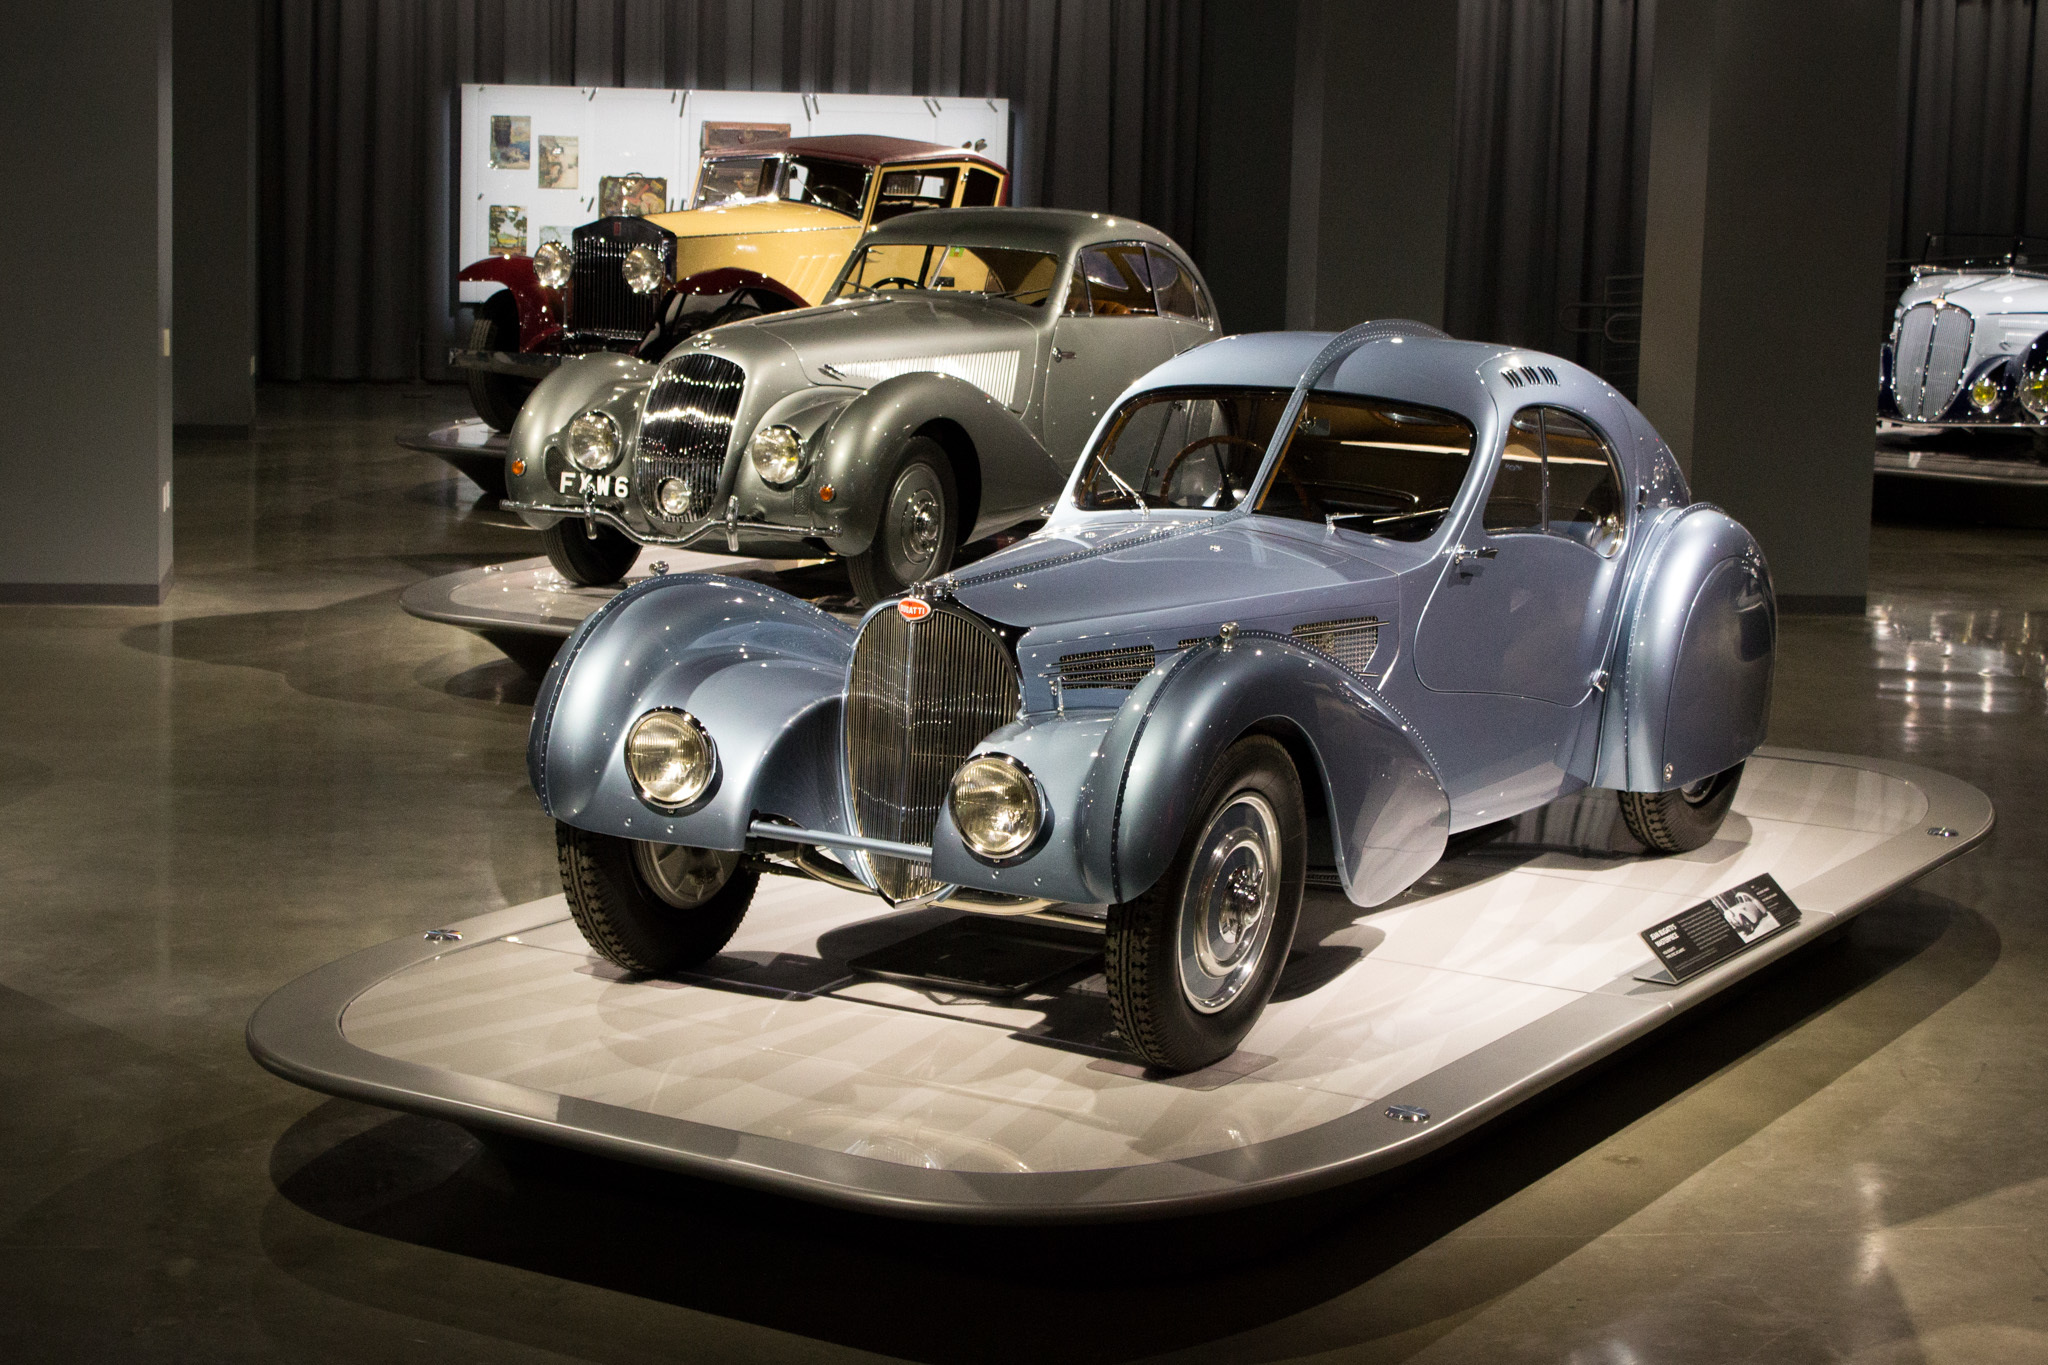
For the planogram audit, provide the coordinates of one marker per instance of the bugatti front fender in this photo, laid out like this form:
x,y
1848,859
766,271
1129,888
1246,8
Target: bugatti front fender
x,y
1121,787
760,670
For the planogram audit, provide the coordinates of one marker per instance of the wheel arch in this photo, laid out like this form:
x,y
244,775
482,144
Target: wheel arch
x,y
952,438
537,309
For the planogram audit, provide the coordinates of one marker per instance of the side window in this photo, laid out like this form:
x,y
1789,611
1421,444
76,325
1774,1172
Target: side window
x,y
1118,280
907,191
1585,500
1516,502
1077,293
1172,285
984,188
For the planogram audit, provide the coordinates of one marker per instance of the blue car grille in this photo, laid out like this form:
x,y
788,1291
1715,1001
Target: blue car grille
x,y
1929,358
1122,669
686,429
919,697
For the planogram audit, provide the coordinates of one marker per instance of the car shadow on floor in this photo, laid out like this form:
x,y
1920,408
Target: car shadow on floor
x,y
936,1292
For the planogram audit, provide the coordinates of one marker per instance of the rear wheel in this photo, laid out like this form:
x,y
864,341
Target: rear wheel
x,y
496,397
590,555
919,527
652,907
1191,963
1682,820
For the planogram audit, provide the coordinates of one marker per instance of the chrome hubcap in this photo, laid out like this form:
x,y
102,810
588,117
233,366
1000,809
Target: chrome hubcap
x,y
920,527
682,877
1226,916
916,529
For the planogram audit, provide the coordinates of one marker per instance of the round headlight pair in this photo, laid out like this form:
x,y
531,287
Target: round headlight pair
x,y
593,441
778,455
552,264
2034,393
670,758
996,806
643,270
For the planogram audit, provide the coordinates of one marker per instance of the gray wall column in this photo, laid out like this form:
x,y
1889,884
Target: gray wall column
x,y
1771,145
85,96
214,239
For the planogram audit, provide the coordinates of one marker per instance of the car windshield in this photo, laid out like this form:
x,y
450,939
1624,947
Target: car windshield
x,y
997,271
1369,464
836,185
1182,448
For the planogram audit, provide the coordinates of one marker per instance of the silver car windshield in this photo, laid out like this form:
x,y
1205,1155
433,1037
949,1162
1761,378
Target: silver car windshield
x,y
1181,448
836,185
998,272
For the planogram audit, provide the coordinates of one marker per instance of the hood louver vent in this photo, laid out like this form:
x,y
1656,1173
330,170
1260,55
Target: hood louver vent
x,y
1118,668
1349,643
1522,376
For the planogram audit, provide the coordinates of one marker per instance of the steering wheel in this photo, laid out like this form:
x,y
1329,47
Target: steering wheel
x,y
1173,465
834,198
895,282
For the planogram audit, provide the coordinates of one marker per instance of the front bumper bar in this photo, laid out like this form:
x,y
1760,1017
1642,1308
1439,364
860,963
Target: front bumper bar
x,y
733,524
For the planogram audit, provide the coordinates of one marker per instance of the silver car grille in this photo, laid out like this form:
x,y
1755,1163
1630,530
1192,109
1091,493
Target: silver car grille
x,y
1349,642
685,430
1118,668
919,697
1928,361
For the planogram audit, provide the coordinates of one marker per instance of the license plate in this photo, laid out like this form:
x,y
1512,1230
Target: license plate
x,y
567,481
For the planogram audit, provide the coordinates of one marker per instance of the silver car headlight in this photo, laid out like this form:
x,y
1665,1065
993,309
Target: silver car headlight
x,y
552,263
778,455
643,271
2034,393
670,758
995,806
672,497
593,441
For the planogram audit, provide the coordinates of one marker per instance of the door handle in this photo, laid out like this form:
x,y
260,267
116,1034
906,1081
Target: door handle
x,y
1058,354
1461,554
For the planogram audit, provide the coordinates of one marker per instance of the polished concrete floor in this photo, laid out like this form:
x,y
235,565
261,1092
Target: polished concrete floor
x,y
1847,1161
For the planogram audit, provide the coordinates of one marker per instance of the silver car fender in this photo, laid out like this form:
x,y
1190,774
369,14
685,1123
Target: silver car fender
x,y
575,385
760,670
1691,691
1008,478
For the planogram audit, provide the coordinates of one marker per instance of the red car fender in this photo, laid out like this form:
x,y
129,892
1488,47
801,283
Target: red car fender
x,y
541,310
730,280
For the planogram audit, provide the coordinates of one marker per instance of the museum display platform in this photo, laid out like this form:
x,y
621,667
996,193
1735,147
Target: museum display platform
x,y
470,445
527,609
836,1051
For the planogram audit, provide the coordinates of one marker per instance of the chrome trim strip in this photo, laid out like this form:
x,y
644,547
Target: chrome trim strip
x,y
790,834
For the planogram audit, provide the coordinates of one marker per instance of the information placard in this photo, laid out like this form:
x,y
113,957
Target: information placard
x,y
1716,930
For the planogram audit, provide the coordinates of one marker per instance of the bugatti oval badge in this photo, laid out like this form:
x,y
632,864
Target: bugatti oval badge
x,y
914,608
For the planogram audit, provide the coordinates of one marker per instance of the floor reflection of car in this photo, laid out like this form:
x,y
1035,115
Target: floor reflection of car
x,y
1310,605
769,228
940,398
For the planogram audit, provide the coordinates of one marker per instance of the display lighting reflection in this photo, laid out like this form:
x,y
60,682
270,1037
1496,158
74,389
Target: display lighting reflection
x,y
1985,661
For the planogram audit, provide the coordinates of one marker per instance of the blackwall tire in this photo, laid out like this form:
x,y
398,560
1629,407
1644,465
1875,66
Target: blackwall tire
x,y
634,915
592,561
1681,821
496,397
1191,963
918,529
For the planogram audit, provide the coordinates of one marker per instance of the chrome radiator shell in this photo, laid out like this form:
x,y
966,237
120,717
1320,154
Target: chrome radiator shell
x,y
919,696
686,424
1930,358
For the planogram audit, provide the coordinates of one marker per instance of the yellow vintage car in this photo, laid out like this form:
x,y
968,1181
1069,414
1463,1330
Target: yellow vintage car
x,y
769,228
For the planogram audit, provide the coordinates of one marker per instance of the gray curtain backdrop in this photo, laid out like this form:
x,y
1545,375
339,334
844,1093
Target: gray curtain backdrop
x,y
359,99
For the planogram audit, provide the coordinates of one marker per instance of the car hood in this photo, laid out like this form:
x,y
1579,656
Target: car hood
x,y
1983,295
860,342
1148,572
773,215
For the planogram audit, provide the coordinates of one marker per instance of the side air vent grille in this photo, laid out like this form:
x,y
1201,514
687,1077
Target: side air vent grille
x,y
1350,642
1521,376
1118,668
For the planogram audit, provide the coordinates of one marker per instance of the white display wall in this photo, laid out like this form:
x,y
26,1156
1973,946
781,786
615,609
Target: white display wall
x,y
555,143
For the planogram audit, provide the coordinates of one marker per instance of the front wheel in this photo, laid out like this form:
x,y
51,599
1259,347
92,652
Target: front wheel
x,y
919,526
652,907
1191,962
1682,820
590,555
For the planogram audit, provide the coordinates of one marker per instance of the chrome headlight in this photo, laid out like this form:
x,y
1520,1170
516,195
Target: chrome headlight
x,y
2034,393
551,264
670,758
593,441
672,498
778,455
642,269
1986,393
995,805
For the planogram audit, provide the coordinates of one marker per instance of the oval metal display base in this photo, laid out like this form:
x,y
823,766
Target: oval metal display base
x,y
836,1051
470,446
